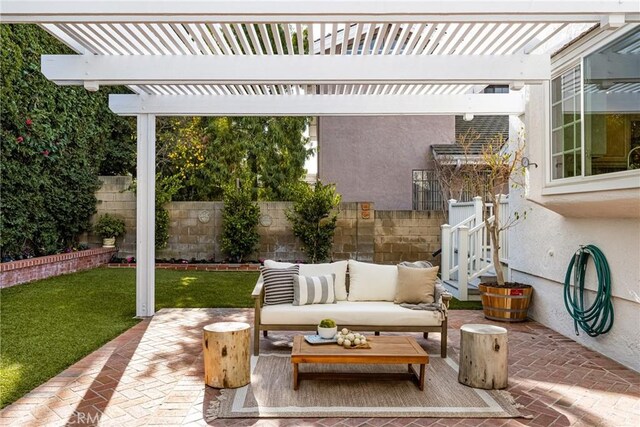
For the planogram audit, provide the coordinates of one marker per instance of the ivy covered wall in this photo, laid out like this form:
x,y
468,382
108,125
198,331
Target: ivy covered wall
x,y
55,141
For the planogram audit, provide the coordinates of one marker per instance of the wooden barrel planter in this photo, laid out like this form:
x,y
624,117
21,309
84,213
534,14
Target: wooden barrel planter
x,y
507,303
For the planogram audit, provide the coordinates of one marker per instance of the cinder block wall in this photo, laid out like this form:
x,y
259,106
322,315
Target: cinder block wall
x,y
114,197
362,233
407,236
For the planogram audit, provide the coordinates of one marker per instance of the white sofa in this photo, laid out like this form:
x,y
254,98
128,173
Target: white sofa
x,y
368,308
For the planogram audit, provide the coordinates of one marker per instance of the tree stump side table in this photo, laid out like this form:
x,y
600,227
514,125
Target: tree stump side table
x,y
483,356
226,354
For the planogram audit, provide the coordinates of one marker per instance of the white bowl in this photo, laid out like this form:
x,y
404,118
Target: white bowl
x,y
327,333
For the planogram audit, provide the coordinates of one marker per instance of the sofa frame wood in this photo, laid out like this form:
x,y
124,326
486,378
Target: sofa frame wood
x,y
258,296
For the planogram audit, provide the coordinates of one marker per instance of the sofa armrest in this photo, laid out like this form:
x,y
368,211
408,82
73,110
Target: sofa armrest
x,y
258,290
442,295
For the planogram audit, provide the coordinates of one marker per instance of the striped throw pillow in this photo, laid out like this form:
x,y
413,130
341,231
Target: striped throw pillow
x,y
278,284
314,289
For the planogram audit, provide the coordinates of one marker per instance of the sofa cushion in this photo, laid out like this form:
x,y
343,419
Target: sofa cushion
x,y
346,313
314,289
339,268
417,264
372,282
416,285
278,284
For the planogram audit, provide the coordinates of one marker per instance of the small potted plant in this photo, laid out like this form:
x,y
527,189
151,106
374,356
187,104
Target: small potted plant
x,y
327,328
109,227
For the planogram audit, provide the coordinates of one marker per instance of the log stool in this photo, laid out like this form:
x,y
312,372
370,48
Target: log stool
x,y
483,356
226,354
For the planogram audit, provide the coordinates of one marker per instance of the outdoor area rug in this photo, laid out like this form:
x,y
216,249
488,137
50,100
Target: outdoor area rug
x,y
271,395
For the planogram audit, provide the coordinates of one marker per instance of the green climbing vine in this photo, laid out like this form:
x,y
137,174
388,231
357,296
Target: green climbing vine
x,y
54,143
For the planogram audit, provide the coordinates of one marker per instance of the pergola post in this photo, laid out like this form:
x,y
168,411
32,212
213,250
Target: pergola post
x,y
145,216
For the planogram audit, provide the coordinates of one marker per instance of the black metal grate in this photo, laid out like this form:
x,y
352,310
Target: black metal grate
x,y
427,195
427,192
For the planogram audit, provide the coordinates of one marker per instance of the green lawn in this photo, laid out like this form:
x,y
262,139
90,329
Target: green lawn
x,y
454,304
48,325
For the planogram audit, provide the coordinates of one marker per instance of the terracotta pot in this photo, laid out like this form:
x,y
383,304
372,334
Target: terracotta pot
x,y
109,242
505,303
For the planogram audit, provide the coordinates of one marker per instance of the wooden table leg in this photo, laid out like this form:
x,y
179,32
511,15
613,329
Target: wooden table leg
x,y
295,376
422,374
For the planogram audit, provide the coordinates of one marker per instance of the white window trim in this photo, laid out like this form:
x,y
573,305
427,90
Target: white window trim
x,y
610,181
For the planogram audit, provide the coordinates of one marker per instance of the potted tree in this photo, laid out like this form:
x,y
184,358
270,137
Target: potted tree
x,y
109,227
501,167
489,171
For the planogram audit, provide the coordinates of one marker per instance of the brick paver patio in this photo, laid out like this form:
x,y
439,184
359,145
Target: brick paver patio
x,y
152,375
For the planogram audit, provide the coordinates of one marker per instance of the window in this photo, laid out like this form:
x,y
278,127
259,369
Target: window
x,y
566,143
427,194
496,89
612,106
601,96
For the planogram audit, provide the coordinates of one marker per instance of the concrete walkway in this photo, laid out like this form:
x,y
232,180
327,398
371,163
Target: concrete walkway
x,y
152,375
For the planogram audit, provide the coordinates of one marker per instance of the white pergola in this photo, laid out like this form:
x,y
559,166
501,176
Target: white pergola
x,y
248,57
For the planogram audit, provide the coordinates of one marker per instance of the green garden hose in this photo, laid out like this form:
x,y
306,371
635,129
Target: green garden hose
x,y
598,318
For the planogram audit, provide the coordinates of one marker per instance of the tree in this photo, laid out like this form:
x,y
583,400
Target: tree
x,y
489,174
209,153
240,219
313,217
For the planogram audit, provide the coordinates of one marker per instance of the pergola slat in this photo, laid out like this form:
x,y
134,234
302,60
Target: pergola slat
x,y
255,41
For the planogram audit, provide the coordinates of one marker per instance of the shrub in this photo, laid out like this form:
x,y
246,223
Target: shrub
x,y
166,188
313,217
240,219
109,226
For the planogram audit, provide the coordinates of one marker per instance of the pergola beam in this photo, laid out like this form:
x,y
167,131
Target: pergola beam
x,y
317,105
280,11
296,69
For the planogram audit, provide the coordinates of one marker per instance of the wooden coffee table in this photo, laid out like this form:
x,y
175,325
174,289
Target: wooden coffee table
x,y
384,351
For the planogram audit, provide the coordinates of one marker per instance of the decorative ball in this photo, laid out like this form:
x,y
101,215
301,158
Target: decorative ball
x,y
340,340
363,340
356,341
350,337
344,331
346,343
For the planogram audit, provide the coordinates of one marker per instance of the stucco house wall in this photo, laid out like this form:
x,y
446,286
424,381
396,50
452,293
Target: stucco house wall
x,y
371,158
542,245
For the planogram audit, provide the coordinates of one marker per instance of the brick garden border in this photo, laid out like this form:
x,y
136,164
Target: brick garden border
x,y
195,267
29,270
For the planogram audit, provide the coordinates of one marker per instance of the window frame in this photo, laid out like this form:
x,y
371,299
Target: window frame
x,y
565,61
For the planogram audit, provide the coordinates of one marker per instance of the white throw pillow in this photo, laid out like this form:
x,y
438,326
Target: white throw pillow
x,y
339,268
372,282
314,290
